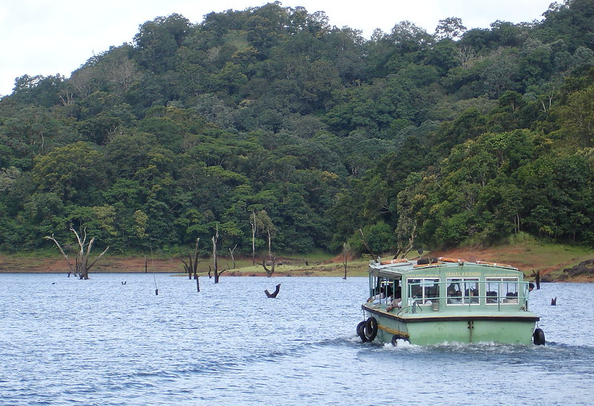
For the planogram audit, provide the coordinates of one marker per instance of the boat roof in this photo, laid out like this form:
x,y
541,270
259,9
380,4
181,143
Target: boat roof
x,y
398,268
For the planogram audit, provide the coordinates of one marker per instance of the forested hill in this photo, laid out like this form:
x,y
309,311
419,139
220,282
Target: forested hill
x,y
270,119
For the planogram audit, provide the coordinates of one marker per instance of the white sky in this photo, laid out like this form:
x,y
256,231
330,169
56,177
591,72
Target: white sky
x,y
47,37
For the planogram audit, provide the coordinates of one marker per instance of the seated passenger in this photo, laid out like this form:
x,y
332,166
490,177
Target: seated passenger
x,y
396,303
511,297
469,295
454,295
377,298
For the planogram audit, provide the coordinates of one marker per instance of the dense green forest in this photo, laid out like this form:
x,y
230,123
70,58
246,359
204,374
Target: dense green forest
x,y
271,120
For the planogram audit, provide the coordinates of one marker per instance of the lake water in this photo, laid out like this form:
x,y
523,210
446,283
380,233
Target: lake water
x,y
99,342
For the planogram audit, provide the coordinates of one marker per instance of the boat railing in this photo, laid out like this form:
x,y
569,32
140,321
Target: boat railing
x,y
431,295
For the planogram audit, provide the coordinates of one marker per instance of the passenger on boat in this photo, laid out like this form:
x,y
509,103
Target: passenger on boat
x,y
491,297
377,298
471,295
396,303
454,295
526,294
511,297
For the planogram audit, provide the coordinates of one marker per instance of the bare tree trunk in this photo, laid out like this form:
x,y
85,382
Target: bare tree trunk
x,y
188,266
272,259
191,266
214,258
82,266
72,268
254,229
217,274
231,251
411,242
375,257
345,260
269,271
401,251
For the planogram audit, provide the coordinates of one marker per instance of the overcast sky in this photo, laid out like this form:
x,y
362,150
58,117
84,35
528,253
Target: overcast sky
x,y
47,37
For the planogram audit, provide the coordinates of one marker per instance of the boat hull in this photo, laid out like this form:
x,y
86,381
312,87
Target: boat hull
x,y
505,328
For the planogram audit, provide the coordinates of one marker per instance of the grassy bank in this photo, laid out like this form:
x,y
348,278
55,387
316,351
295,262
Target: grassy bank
x,y
528,255
524,253
309,265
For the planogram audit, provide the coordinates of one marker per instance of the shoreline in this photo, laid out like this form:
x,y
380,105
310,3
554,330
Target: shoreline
x,y
120,265
517,256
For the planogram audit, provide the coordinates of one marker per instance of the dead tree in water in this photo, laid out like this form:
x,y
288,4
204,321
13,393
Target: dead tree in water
x,y
346,251
215,260
81,267
269,271
273,294
254,226
231,251
191,266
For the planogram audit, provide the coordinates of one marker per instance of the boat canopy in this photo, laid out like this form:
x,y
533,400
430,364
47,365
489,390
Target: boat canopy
x,y
403,268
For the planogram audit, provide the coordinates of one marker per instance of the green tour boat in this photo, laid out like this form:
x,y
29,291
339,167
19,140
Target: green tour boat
x,y
440,300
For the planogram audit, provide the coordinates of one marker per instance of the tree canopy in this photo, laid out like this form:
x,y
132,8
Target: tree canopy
x,y
446,138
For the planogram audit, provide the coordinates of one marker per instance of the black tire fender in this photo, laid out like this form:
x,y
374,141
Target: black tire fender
x,y
361,331
371,328
397,337
538,337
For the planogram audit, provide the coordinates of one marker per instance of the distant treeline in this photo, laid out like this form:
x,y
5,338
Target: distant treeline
x,y
269,122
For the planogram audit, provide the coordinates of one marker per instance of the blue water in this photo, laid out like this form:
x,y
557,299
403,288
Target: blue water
x,y
98,342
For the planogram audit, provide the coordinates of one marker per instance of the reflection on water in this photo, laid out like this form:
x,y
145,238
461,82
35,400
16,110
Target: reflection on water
x,y
66,341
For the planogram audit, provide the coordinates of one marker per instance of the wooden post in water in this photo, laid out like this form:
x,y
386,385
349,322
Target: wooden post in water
x,y
215,262
345,261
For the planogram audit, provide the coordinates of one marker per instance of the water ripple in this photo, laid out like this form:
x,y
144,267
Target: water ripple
x,y
97,342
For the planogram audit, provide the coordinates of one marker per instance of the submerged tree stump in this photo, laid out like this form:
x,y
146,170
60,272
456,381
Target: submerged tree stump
x,y
273,294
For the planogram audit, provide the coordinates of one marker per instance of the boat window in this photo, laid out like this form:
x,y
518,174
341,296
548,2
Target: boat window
x,y
463,291
384,290
424,290
502,290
